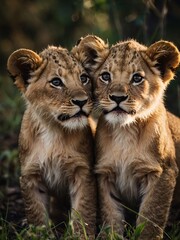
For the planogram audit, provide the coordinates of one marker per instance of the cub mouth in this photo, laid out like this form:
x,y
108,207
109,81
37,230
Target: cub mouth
x,y
65,117
119,110
116,109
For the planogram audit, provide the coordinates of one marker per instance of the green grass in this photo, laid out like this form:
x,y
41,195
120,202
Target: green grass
x,y
9,231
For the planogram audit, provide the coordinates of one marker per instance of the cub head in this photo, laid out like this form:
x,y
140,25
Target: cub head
x,y
54,84
129,79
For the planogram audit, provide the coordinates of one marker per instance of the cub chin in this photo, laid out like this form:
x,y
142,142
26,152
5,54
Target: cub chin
x,y
55,142
137,140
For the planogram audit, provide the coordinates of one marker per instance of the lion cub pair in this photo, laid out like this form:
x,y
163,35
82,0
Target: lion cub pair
x,y
137,140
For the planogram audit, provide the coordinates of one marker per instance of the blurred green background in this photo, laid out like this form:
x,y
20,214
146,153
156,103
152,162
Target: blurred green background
x,y
36,24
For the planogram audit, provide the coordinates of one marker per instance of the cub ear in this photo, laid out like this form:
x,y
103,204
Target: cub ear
x,y
91,51
21,64
167,58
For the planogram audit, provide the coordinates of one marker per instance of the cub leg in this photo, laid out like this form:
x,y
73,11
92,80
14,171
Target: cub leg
x,y
155,206
36,199
111,212
83,202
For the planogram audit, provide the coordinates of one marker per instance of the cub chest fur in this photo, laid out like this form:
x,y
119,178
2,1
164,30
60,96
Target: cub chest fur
x,y
52,152
132,161
52,155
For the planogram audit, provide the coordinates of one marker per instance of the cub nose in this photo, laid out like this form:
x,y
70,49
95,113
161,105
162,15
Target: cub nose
x,y
118,99
79,103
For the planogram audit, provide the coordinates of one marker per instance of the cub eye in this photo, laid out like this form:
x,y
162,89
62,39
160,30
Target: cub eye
x,y
56,82
137,79
84,79
105,77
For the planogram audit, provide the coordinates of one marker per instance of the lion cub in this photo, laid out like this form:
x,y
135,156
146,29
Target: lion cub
x,y
55,143
137,140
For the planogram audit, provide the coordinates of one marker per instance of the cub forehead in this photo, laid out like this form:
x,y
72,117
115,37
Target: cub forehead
x,y
127,48
124,54
61,57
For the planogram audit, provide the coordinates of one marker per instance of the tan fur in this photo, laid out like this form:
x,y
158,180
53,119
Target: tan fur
x,y
55,143
138,142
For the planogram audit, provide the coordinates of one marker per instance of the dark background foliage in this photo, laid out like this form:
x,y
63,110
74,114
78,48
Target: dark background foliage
x,y
36,24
